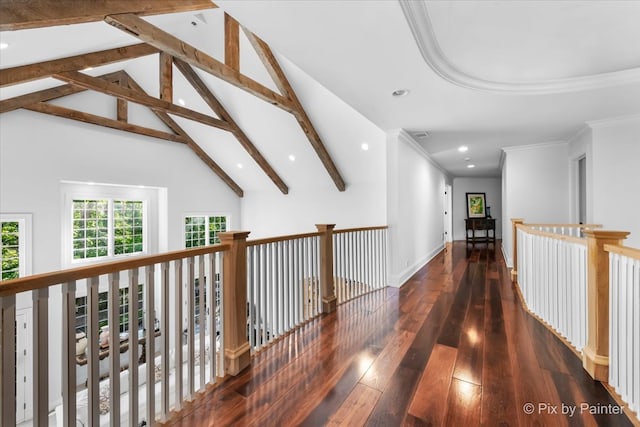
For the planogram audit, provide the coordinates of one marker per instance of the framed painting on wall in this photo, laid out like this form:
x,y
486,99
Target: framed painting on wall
x,y
476,205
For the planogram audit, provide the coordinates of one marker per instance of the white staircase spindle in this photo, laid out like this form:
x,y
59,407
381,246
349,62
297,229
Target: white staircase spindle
x,y
150,350
178,334
93,361
165,340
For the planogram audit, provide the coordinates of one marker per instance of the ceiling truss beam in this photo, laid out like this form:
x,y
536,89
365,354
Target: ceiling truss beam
x,y
25,14
170,44
167,120
99,85
68,113
280,79
200,86
40,70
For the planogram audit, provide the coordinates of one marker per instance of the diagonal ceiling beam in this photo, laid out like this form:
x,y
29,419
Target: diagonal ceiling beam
x,y
170,44
22,101
280,79
67,113
24,14
200,86
40,70
167,120
94,83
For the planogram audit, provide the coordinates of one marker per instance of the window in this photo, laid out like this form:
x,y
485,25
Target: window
x,y
202,230
103,310
14,256
10,250
107,227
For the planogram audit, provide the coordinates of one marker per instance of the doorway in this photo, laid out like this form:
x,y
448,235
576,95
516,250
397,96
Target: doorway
x,y
582,190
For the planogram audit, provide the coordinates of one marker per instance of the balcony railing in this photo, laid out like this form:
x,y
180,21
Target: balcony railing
x,y
205,311
585,286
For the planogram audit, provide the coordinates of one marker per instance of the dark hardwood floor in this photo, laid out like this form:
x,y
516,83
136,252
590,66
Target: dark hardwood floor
x,y
452,347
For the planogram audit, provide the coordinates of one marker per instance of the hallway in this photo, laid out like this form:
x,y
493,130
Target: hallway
x,y
452,347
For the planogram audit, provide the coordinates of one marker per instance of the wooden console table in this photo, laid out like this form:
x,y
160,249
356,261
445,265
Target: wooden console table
x,y
486,227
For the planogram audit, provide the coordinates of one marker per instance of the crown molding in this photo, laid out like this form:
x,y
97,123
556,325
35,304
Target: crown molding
x,y
612,121
534,146
407,138
417,17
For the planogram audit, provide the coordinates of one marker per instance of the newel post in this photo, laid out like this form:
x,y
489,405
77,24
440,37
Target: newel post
x,y
595,355
237,351
514,249
329,299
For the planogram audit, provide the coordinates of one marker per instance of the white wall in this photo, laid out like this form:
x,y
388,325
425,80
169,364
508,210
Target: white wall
x,y
37,152
492,187
536,187
415,188
616,195
313,197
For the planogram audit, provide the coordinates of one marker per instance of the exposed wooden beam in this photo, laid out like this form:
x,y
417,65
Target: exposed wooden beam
x,y
184,51
67,113
167,120
280,79
166,77
200,86
103,86
122,112
24,14
231,42
25,73
48,94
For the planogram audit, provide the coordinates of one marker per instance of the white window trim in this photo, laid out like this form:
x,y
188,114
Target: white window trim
x,y
88,191
25,251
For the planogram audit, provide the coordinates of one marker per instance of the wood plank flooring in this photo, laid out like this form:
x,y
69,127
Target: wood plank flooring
x,y
452,347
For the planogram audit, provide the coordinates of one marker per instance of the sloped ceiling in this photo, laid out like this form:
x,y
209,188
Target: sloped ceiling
x,y
493,53
364,50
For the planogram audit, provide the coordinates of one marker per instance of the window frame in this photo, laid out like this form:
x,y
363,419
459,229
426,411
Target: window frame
x,y
89,191
25,224
207,230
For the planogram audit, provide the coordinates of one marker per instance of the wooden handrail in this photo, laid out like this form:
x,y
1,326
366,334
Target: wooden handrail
x,y
267,240
39,281
351,230
623,250
572,239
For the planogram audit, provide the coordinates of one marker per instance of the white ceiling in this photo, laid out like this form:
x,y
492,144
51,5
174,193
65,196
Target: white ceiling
x,y
487,74
516,72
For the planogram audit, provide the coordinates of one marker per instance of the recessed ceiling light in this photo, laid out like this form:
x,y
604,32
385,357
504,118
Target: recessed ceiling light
x,y
4,45
239,165
400,92
181,102
292,157
471,166
463,148
364,146
466,159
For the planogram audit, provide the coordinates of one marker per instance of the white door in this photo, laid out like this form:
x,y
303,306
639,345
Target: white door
x,y
448,237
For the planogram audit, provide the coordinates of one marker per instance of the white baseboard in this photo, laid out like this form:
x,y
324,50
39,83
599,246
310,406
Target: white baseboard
x,y
401,278
507,260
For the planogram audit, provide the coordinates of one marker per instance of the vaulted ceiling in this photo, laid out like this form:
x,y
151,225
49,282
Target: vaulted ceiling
x,y
484,74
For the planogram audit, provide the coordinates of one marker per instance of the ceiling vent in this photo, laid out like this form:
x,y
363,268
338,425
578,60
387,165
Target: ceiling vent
x,y
422,134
